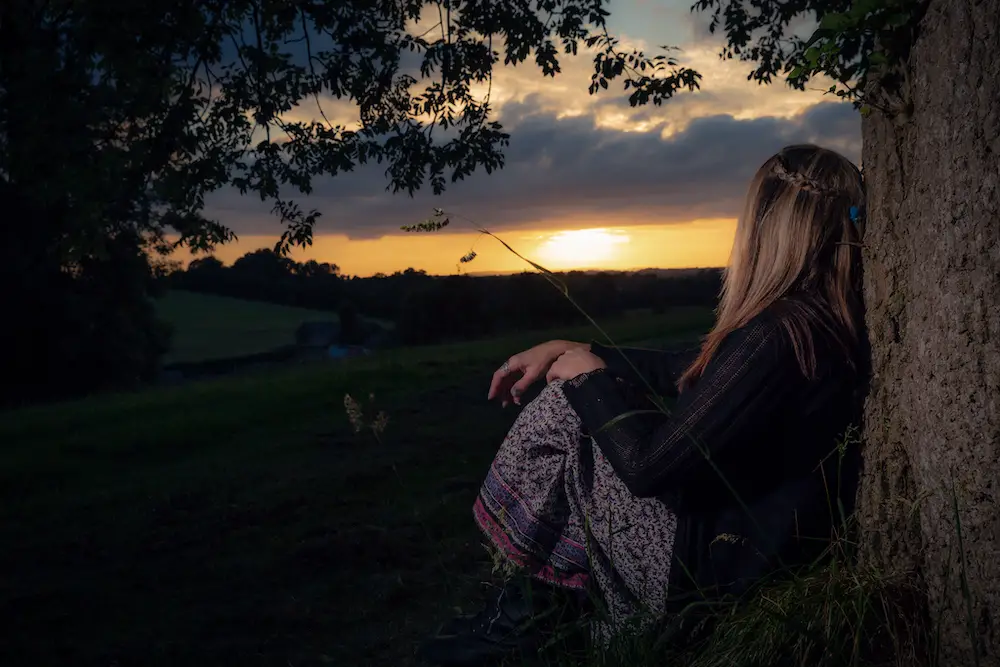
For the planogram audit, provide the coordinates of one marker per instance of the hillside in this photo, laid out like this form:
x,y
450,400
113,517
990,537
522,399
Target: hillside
x,y
215,327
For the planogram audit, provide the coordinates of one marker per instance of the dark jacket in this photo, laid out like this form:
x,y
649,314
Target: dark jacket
x,y
756,487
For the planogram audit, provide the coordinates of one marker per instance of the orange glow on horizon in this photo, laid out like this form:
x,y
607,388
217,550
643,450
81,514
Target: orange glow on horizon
x,y
584,248
696,244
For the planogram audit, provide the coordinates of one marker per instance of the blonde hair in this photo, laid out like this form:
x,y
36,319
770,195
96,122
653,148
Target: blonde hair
x,y
796,235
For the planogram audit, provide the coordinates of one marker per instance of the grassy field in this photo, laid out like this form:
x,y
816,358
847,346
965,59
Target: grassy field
x,y
214,327
242,522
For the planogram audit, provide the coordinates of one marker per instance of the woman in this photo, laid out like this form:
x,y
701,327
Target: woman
x,y
650,510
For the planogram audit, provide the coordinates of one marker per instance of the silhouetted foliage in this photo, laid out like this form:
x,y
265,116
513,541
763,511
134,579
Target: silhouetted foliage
x,y
433,309
464,307
92,327
118,119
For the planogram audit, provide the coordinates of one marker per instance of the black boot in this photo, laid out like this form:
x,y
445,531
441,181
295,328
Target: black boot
x,y
520,618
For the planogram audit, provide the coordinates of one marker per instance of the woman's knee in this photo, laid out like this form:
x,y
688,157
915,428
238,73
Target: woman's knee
x,y
551,397
550,410
555,387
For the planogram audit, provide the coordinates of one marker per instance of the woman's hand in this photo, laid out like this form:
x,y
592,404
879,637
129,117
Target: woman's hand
x,y
573,363
519,372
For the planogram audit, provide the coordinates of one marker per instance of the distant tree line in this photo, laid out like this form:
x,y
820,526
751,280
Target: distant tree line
x,y
264,275
432,309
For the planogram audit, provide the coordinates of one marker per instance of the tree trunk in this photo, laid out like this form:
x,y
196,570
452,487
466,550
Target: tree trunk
x,y
929,499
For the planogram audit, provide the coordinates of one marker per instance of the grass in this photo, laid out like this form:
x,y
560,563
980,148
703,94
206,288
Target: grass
x,y
215,327
833,614
240,521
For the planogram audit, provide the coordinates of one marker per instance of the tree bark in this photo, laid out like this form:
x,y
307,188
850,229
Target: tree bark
x,y
930,499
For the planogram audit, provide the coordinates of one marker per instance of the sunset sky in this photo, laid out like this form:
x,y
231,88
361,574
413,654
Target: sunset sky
x,y
589,182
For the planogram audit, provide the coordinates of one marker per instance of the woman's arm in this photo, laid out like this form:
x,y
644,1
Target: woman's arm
x,y
748,382
660,368
520,371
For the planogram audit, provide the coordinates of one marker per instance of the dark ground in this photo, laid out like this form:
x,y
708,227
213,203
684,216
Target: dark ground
x,y
242,521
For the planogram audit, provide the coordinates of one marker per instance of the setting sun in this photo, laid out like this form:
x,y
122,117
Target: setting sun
x,y
698,243
582,247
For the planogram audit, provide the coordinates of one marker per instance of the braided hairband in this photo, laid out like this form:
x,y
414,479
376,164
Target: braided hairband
x,y
811,185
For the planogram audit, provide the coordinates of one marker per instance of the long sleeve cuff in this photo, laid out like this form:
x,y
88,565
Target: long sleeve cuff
x,y
597,397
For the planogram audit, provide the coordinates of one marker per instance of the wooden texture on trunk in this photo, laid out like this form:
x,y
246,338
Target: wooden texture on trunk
x,y
932,289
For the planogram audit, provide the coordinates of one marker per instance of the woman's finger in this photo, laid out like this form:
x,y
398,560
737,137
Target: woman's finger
x,y
555,370
521,386
496,383
503,376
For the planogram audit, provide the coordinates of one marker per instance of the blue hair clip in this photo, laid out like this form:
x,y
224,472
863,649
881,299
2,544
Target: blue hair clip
x,y
854,214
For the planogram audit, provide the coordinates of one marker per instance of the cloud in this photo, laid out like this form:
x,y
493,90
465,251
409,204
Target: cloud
x,y
578,159
725,89
569,168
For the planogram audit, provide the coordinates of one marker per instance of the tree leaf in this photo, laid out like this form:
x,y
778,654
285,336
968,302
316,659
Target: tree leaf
x,y
836,22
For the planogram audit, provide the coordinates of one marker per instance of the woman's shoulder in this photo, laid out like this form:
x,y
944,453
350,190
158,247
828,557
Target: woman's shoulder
x,y
802,325
794,310
780,326
763,335
790,305
771,320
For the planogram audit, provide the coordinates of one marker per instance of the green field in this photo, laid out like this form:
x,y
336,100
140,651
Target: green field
x,y
241,522
215,327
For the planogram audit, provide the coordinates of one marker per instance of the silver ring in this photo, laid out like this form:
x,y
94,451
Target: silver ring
x,y
506,367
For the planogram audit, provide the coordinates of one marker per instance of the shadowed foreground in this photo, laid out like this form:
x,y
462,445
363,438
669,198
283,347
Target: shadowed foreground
x,y
243,522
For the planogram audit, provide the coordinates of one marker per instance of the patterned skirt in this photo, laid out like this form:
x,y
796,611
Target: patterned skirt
x,y
552,504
